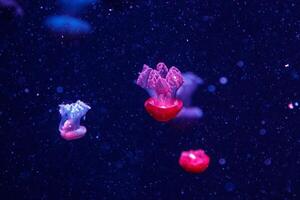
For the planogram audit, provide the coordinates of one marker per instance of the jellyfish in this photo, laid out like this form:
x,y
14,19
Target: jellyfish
x,y
13,6
185,92
75,6
71,114
164,83
190,83
65,24
194,161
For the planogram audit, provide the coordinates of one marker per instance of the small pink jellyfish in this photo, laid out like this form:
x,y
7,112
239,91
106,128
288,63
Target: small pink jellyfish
x,y
164,83
71,114
194,161
190,84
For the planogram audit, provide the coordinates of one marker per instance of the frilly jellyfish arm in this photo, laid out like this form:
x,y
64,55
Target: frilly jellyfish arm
x,y
163,84
175,80
71,114
143,77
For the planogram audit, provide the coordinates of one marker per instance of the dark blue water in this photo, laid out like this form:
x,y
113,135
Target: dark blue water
x,y
248,129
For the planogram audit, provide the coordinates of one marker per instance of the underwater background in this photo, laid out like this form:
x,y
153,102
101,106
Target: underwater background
x,y
250,124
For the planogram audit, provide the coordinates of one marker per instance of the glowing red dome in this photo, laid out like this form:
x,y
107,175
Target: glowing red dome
x,y
194,161
163,112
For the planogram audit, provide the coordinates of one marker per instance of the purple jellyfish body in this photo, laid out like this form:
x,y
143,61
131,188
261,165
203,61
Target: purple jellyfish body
x,y
71,114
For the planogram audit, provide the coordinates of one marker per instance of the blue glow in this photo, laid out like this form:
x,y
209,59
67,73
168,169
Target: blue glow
x,y
76,4
67,24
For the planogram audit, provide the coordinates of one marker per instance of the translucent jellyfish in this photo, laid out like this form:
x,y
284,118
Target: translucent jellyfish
x,y
191,83
194,161
164,83
71,114
74,6
65,24
12,5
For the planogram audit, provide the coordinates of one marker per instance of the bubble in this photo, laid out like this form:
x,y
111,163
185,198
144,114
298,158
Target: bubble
x,y
229,187
222,161
240,63
26,90
268,161
223,80
211,88
262,131
59,89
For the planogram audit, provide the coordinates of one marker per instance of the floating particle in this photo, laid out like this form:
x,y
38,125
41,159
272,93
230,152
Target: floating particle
x,y
223,80
286,65
229,186
240,63
262,131
222,161
211,88
291,106
26,90
59,89
268,161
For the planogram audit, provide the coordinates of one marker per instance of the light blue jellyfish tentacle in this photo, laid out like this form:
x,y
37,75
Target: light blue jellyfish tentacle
x,y
73,112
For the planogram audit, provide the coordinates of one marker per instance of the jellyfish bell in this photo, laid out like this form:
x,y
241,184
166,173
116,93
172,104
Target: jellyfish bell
x,y
10,8
70,128
69,133
163,112
162,83
194,161
75,6
67,25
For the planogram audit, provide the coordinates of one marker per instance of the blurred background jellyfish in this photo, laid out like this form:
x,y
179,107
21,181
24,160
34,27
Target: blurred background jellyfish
x,y
71,114
75,6
70,23
164,83
65,24
191,83
10,6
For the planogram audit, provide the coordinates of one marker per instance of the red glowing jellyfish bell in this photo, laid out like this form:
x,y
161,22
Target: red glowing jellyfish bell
x,y
194,161
164,82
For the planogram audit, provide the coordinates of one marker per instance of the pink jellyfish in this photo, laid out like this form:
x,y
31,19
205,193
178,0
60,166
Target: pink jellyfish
x,y
194,161
164,82
190,83
71,114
